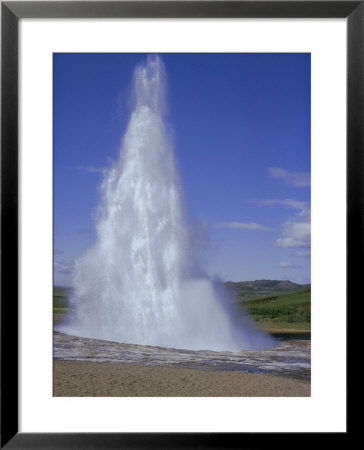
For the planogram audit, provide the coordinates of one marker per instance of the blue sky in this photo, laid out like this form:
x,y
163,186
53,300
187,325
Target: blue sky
x,y
240,124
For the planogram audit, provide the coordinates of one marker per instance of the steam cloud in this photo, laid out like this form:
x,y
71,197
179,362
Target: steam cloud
x,y
137,284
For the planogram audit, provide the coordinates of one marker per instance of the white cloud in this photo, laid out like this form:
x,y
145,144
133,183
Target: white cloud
x,y
303,253
286,202
296,179
288,265
90,169
61,268
245,226
296,232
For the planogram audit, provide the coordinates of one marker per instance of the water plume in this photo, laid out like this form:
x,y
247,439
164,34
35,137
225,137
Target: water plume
x,y
137,283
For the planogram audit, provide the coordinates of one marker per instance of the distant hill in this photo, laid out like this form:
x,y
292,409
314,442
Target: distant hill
x,y
247,290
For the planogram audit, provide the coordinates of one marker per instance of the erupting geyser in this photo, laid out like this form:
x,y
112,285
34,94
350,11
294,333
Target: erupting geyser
x,y
136,283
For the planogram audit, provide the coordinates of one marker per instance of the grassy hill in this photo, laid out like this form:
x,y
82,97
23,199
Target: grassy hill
x,y
247,290
288,312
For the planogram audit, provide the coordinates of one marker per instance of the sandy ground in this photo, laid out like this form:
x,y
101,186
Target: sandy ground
x,y
100,379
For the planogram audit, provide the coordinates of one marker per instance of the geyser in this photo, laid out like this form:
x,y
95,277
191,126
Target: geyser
x,y
136,284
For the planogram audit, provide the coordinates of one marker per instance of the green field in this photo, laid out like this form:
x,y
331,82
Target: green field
x,y
288,312
60,303
284,312
60,297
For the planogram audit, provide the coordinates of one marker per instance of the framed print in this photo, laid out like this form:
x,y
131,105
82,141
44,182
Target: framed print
x,y
170,144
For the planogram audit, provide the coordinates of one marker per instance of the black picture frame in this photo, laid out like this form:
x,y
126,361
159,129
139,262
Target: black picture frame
x,y
11,12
